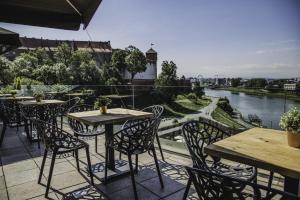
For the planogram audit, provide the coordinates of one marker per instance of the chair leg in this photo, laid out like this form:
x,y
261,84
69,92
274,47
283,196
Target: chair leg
x,y
43,165
50,173
89,164
96,144
61,122
136,163
3,133
132,177
157,168
187,189
106,165
159,147
270,179
77,159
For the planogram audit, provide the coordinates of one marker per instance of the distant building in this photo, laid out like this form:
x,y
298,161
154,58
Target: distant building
x,y
151,72
101,51
290,87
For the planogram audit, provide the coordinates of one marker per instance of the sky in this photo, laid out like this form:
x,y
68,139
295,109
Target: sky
x,y
224,38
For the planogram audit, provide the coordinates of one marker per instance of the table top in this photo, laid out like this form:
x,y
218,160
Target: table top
x,y
262,148
114,115
5,95
115,96
18,98
78,94
43,102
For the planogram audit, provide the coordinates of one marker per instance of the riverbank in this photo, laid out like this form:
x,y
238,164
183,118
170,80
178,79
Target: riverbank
x,y
261,92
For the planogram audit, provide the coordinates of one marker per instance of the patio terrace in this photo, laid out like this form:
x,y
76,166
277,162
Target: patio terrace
x,y
21,161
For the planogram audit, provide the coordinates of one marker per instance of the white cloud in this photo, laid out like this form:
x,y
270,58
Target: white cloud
x,y
275,50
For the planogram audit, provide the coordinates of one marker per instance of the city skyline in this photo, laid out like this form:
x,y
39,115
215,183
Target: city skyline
x,y
229,39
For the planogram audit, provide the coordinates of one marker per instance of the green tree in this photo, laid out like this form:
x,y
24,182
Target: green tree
x,y
198,90
6,73
166,81
235,82
84,69
118,59
47,74
63,54
136,61
111,74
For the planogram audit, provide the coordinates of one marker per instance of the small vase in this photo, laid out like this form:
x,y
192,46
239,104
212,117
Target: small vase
x,y
293,139
103,109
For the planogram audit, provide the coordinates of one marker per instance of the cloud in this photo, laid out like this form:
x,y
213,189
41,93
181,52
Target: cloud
x,y
275,50
279,42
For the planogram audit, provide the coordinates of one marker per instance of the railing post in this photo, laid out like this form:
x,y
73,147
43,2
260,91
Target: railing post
x,y
133,106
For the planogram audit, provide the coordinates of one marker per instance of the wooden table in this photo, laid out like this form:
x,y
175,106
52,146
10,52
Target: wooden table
x,y
113,116
43,102
263,148
18,98
40,106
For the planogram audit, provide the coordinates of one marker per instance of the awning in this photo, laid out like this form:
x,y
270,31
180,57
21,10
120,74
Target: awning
x,y
8,40
62,14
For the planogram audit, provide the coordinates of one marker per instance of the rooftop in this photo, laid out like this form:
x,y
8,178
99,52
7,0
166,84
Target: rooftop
x,y
21,162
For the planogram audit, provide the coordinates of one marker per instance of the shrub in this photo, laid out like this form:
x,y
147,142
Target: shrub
x,y
290,121
192,96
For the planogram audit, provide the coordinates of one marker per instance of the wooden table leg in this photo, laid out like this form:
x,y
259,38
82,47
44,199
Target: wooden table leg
x,y
291,185
109,131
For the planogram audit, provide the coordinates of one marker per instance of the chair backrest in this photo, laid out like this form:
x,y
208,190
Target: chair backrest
x,y
9,112
137,138
157,111
77,126
197,135
49,133
70,104
213,186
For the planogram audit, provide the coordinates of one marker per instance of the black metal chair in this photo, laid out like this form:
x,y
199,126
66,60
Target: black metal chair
x,y
47,112
83,130
10,116
59,142
135,140
211,185
199,134
157,111
66,107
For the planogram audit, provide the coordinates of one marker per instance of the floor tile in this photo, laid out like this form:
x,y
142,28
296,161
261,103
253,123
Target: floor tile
x,y
170,186
21,177
26,191
127,193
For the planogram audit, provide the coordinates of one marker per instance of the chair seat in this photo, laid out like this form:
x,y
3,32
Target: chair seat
x,y
240,171
68,143
89,133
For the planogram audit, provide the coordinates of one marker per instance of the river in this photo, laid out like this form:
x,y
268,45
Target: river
x,y
268,109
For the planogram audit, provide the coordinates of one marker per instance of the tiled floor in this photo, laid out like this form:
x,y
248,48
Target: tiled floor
x,y
21,161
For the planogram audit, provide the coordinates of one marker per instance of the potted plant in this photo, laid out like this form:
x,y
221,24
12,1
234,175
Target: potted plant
x,y
290,122
38,96
102,103
13,93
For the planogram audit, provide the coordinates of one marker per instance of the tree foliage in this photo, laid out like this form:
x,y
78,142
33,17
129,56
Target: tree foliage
x,y
6,73
135,61
166,81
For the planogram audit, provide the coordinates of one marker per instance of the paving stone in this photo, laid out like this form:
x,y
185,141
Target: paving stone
x,y
170,186
179,195
23,165
2,183
21,177
127,193
3,195
26,191
59,168
14,158
68,179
